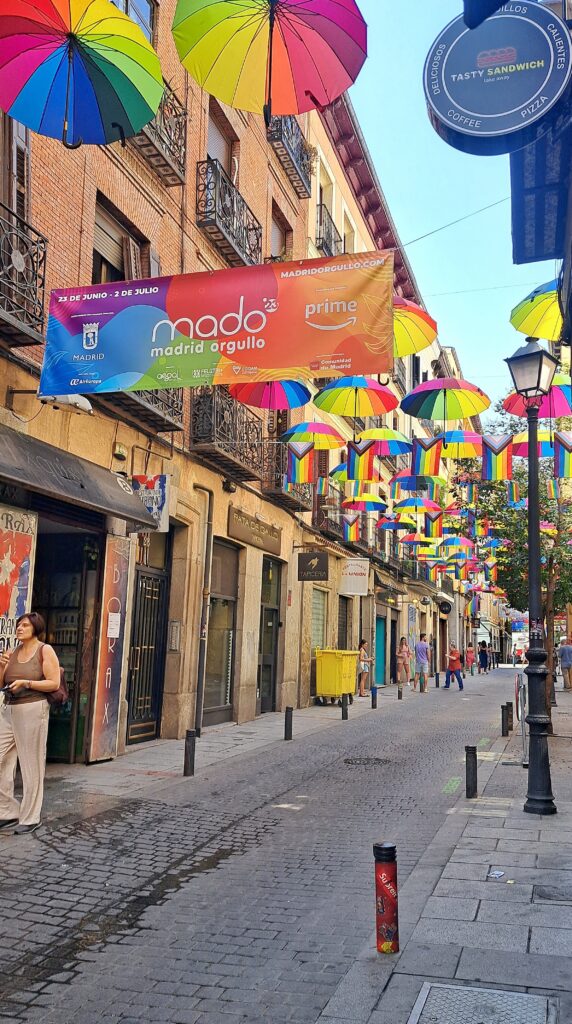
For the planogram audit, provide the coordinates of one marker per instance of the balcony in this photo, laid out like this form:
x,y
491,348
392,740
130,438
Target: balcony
x,y
163,142
286,138
447,586
22,280
153,412
328,239
400,375
327,516
225,217
226,434
296,497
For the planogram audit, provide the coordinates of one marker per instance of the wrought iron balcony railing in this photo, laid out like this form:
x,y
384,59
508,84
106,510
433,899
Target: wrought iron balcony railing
x,y
22,280
400,374
163,142
328,239
298,497
153,412
287,139
226,433
447,586
328,513
226,217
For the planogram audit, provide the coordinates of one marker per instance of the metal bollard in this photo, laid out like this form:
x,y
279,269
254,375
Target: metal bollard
x,y
471,772
374,698
190,744
344,707
386,909
504,720
288,716
510,709
400,691
436,680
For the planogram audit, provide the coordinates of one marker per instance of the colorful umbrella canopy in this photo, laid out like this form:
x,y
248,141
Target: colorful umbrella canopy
x,y
461,444
340,473
388,441
457,542
413,328
545,444
415,539
77,70
408,482
397,524
274,394
539,315
365,503
272,56
445,398
416,504
558,401
322,435
356,396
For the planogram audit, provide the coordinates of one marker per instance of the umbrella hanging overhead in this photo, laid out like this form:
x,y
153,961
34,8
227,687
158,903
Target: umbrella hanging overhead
x,y
545,444
416,539
558,401
446,398
77,70
365,503
274,394
539,315
396,524
415,505
461,444
272,56
413,328
340,473
408,482
388,441
321,435
457,542
356,396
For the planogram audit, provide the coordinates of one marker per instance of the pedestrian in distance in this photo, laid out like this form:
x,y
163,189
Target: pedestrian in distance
x,y
422,659
483,658
364,662
454,666
489,658
403,662
565,653
470,658
514,656
28,675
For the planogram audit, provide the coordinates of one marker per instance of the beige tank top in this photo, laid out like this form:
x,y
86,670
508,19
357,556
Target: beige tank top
x,y
32,670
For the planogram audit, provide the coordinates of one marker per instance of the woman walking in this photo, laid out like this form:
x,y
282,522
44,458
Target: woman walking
x,y
483,658
470,659
403,662
363,667
28,674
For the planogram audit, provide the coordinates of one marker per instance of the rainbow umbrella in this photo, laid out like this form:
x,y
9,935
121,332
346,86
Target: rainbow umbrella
x,y
322,436
457,542
539,314
415,539
545,444
408,482
445,398
272,56
388,442
340,473
416,505
397,524
413,328
365,503
356,396
77,70
273,394
558,401
461,444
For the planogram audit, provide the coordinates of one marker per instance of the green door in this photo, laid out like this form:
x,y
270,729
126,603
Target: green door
x,y
379,674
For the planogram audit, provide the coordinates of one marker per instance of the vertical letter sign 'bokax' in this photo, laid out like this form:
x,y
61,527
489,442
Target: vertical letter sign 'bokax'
x,y
502,85
313,318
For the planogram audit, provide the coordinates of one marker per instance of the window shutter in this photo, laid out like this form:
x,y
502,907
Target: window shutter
x,y
108,239
277,239
154,264
218,145
319,604
20,170
132,259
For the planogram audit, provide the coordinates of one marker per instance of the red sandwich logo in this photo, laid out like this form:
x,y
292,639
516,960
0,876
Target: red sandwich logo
x,y
492,58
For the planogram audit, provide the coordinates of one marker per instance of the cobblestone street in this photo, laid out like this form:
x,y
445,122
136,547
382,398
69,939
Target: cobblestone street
x,y
244,894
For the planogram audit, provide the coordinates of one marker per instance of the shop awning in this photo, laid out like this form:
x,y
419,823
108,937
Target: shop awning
x,y
40,467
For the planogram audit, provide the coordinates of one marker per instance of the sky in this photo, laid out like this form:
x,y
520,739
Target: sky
x,y
465,273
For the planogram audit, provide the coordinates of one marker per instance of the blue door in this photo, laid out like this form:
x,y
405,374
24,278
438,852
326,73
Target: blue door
x,y
379,652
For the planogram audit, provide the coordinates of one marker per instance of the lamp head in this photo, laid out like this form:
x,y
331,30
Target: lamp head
x,y
532,369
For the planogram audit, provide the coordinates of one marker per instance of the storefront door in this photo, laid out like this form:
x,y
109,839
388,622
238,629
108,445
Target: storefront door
x,y
147,655
268,637
379,651
219,672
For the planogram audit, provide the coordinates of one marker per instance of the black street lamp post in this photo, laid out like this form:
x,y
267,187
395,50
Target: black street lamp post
x,y
532,369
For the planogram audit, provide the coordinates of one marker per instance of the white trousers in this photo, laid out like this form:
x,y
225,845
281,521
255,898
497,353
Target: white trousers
x,y
23,738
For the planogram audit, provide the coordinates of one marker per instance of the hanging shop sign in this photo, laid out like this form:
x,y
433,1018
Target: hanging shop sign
x,y
318,318
445,607
110,657
355,577
154,493
256,532
500,86
312,567
18,532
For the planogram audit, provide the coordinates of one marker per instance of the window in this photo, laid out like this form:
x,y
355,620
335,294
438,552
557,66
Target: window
x,y
319,609
219,145
415,371
277,239
349,235
116,254
143,13
15,166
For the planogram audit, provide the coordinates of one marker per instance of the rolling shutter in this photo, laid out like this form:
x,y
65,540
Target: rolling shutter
x,y
108,239
218,145
319,607
277,239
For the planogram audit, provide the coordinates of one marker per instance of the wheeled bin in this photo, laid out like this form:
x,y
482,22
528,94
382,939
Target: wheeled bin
x,y
336,674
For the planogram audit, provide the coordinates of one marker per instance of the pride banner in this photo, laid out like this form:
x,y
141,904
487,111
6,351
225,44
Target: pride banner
x,y
562,454
300,462
553,490
351,528
426,456
433,526
497,457
328,317
361,455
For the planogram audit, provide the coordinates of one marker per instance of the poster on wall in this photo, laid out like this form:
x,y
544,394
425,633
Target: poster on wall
x,y
18,532
313,318
154,493
103,744
355,577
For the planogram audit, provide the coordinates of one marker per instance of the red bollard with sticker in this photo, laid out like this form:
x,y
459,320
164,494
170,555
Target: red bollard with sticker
x,y
386,916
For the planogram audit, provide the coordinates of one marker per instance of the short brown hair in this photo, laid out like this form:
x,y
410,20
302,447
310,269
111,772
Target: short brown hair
x,y
36,621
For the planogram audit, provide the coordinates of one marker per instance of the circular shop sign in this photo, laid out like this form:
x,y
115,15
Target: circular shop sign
x,y
446,607
495,89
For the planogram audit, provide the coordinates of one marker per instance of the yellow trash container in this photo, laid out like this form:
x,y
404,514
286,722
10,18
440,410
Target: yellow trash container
x,y
336,672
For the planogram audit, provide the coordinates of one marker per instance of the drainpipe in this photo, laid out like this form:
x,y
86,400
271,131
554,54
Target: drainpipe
x,y
202,664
